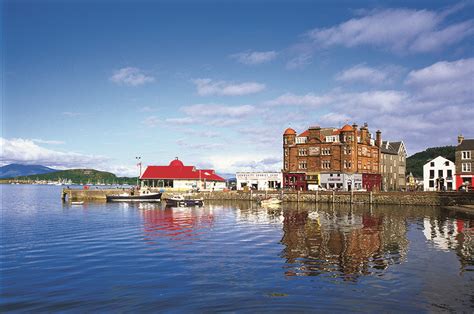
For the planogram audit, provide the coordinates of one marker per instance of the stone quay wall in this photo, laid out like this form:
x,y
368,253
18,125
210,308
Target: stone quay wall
x,y
385,198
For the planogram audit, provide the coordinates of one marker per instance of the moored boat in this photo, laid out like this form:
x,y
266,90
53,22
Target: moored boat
x,y
181,201
270,201
129,197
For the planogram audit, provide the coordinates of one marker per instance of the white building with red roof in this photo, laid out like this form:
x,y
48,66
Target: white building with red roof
x,y
178,176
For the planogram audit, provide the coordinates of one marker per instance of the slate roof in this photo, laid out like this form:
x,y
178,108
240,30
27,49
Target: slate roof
x,y
466,145
390,149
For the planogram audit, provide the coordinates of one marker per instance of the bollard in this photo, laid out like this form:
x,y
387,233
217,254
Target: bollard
x,y
370,197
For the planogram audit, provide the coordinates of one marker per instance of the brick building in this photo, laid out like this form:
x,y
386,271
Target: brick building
x,y
332,151
464,163
393,166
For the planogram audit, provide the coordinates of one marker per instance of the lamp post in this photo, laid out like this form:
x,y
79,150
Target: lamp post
x,y
139,164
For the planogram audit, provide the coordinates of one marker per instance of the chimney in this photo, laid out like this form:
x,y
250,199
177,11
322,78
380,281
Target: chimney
x,y
314,132
378,138
460,139
364,134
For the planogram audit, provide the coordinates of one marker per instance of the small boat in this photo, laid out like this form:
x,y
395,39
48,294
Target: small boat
x,y
181,201
130,197
270,201
77,203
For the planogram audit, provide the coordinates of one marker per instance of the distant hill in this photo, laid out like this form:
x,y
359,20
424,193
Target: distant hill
x,y
81,176
15,170
415,162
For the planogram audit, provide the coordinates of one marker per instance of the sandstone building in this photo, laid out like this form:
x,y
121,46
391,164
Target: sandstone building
x,y
334,154
464,163
393,166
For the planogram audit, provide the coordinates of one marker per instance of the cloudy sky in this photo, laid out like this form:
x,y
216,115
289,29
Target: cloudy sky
x,y
97,83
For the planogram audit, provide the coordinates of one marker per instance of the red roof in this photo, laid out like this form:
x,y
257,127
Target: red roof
x,y
289,131
347,127
304,134
177,170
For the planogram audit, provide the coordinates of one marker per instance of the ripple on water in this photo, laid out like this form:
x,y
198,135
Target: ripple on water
x,y
230,257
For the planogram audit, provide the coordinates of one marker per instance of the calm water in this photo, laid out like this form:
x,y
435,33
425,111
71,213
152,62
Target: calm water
x,y
230,256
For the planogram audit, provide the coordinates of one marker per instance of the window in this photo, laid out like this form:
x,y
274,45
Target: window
x,y
302,152
432,164
440,173
301,140
302,164
286,165
286,151
431,184
347,164
285,141
347,150
466,167
326,164
446,163
326,151
466,155
431,174
450,173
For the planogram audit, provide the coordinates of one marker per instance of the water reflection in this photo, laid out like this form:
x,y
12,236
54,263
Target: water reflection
x,y
174,223
452,235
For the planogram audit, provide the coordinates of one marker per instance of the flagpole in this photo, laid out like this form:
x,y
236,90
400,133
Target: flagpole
x,y
138,158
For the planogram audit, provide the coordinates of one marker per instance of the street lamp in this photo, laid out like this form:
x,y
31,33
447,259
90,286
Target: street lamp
x,y
139,164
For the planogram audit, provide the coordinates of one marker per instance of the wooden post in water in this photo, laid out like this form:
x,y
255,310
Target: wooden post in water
x,y
333,196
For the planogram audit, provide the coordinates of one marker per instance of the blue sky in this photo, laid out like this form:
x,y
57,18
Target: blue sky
x,y
96,83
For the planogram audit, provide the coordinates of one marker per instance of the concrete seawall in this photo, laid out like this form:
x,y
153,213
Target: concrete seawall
x,y
385,198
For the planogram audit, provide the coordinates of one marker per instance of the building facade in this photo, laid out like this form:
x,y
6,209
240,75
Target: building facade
x,y
439,175
259,180
177,176
317,151
464,163
393,166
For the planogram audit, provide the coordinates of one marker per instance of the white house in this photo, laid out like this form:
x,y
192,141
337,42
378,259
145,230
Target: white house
x,y
439,175
259,180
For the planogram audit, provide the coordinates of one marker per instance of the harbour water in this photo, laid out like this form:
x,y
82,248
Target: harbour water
x,y
230,256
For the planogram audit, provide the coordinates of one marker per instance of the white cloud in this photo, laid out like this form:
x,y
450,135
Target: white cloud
x,y
208,87
181,121
244,162
450,82
25,151
49,142
398,30
131,76
211,110
309,99
198,146
254,57
147,109
152,121
362,73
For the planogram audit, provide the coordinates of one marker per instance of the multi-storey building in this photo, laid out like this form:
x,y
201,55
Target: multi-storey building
x,y
393,166
438,175
464,163
318,151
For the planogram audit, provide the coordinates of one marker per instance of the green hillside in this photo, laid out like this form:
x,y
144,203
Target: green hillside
x,y
83,176
415,162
